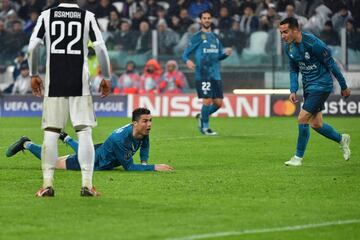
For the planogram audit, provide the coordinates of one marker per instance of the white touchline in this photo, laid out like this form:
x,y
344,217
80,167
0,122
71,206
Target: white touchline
x,y
267,230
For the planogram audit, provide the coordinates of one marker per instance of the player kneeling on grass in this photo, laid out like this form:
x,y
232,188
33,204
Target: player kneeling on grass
x,y
117,150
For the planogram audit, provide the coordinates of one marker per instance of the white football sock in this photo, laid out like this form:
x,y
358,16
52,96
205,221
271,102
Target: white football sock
x,y
86,156
49,155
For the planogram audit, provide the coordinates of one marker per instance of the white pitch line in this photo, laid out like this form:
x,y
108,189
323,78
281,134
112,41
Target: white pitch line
x,y
204,137
267,230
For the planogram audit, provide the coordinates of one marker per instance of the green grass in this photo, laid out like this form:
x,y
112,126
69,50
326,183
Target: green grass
x,y
232,182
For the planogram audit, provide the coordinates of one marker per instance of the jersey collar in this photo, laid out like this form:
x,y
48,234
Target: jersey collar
x,y
69,5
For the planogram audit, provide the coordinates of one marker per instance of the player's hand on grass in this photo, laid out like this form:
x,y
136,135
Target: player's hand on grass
x,y
37,86
228,51
105,88
190,64
293,98
163,167
346,93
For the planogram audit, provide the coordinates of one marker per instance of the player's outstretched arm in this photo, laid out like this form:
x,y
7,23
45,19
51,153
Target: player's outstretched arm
x,y
163,168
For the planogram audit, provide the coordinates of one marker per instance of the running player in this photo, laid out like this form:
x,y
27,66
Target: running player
x,y
310,56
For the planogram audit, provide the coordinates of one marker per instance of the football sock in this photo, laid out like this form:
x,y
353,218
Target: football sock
x,y
72,143
34,149
49,155
206,111
86,156
302,140
329,132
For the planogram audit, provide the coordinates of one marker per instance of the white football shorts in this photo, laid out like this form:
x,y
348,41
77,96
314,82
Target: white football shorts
x,y
56,111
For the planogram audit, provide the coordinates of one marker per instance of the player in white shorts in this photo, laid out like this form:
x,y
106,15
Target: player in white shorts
x,y
67,29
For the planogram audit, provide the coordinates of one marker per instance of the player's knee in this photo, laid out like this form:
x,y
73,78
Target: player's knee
x,y
50,129
316,125
82,128
218,104
302,120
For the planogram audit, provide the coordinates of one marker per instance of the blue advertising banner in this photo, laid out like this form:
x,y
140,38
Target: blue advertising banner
x,y
30,106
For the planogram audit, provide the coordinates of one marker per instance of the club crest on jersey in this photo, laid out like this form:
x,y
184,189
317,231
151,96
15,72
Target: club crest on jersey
x,y
203,37
307,56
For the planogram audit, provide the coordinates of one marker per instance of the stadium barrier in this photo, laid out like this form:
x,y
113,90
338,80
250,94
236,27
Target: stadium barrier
x,y
186,105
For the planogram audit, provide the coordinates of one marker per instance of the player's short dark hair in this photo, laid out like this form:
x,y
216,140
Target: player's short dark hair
x,y
205,11
136,114
293,23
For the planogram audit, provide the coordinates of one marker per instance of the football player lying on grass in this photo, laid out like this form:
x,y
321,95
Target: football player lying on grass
x,y
117,150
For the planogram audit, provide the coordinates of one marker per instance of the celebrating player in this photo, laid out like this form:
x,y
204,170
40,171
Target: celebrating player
x,y
67,30
208,53
117,150
313,59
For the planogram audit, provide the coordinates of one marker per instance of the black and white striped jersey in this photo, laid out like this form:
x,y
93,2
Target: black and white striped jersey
x,y
66,30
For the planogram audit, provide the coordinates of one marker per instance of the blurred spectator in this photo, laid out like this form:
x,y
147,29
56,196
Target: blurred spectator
x,y
249,23
290,12
123,39
6,8
198,6
55,3
183,21
131,7
245,4
16,40
3,41
352,36
144,42
114,21
28,6
225,21
273,34
167,38
173,80
152,10
267,17
139,16
129,81
329,35
231,5
333,5
176,6
355,10
316,22
6,80
22,82
151,76
184,40
307,8
30,24
340,18
19,61
160,17
91,5
104,8
234,38
282,4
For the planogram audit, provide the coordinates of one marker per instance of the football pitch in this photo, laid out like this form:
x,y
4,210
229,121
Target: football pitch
x,y
232,186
